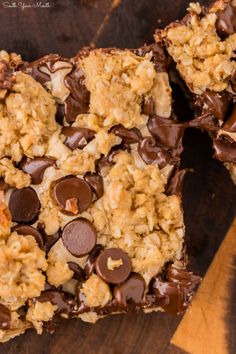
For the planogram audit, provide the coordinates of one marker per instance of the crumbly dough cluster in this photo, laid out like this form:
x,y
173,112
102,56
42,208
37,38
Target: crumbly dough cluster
x,y
119,81
21,266
27,119
202,58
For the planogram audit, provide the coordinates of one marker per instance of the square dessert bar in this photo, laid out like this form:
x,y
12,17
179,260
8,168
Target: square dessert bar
x,y
91,221
203,46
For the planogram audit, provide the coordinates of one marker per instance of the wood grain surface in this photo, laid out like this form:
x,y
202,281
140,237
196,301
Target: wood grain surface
x,y
209,195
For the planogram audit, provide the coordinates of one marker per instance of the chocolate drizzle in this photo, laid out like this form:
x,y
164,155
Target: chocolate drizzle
x,y
177,290
159,57
77,101
36,167
218,116
153,153
77,138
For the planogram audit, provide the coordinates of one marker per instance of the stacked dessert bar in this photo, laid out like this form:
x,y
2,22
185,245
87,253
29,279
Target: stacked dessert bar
x,y
91,221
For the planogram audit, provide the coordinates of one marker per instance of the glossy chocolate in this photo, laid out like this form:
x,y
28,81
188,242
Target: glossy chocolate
x,y
159,57
226,21
78,271
175,183
29,230
96,183
119,273
24,205
167,132
177,290
79,237
152,152
130,292
129,136
72,195
77,138
90,263
213,103
36,167
66,303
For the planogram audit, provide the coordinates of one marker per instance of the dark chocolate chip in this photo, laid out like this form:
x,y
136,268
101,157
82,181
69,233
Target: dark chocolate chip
x,y
29,230
5,317
153,153
60,113
72,195
78,271
65,302
213,103
75,82
73,108
49,240
90,263
24,205
131,292
230,124
167,131
119,273
225,149
148,107
175,183
129,136
226,21
96,183
159,57
79,237
3,185
36,167
77,138
177,290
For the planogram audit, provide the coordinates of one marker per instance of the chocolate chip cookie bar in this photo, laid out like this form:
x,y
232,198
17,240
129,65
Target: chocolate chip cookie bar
x,y
90,197
203,47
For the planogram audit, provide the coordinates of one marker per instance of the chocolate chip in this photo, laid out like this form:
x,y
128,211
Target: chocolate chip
x,y
65,302
29,230
75,82
153,153
24,205
175,183
167,131
177,290
78,271
226,21
72,109
148,107
90,263
230,124
129,136
5,317
96,183
77,138
79,237
36,167
3,185
225,149
215,103
72,195
131,292
49,240
60,113
119,272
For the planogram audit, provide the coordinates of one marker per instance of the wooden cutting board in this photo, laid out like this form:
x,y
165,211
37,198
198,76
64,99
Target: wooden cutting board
x,y
209,195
